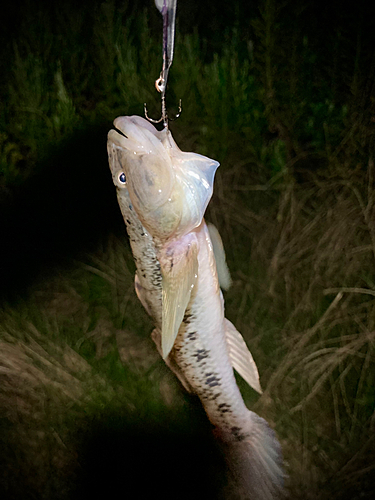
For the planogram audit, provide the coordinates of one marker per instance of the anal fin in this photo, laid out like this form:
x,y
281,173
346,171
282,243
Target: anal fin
x,y
240,357
223,273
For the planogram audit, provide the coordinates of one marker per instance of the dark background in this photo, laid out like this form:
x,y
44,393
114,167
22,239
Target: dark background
x,y
70,204
68,207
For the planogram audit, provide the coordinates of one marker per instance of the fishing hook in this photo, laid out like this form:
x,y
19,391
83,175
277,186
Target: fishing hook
x,y
168,11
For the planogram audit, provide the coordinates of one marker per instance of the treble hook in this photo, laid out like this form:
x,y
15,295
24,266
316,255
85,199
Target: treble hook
x,y
168,11
160,87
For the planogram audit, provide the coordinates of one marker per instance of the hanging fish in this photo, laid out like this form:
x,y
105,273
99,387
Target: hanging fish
x,y
163,193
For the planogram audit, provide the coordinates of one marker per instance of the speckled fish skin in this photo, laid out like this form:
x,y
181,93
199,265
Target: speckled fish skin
x,y
148,275
201,350
200,354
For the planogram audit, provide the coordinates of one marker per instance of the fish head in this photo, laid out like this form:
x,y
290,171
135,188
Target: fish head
x,y
169,189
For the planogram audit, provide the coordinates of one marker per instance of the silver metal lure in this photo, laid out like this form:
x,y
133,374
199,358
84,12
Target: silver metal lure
x,y
168,11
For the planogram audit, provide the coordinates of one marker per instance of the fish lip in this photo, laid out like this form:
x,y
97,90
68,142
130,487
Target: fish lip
x,y
120,132
128,124
136,133
117,137
118,125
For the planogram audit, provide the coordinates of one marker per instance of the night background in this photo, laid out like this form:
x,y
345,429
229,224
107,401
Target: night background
x,y
283,96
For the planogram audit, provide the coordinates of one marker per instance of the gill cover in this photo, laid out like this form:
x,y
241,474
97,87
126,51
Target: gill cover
x,y
169,189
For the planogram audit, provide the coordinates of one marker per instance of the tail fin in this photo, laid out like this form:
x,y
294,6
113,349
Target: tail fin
x,y
255,463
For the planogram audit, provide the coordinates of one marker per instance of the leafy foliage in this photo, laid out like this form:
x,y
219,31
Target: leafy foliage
x,y
287,107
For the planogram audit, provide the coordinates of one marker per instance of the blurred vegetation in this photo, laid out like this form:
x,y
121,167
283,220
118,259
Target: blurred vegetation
x,y
283,96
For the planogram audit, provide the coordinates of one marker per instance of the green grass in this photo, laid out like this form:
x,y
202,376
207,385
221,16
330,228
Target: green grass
x,y
291,125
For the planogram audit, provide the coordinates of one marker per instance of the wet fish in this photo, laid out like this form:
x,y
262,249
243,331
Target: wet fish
x,y
163,193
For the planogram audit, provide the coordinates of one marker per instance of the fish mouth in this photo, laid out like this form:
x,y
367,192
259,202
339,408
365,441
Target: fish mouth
x,y
120,126
132,126
125,130
117,138
136,134
120,132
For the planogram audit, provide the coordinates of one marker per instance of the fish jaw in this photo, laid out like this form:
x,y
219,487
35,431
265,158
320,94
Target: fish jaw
x,y
170,189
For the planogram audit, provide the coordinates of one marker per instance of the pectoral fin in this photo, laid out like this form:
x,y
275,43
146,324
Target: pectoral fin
x,y
241,358
223,273
179,268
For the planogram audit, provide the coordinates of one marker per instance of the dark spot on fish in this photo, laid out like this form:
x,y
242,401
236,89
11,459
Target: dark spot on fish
x,y
155,281
213,381
187,317
201,354
236,431
149,179
192,335
224,408
128,221
215,396
170,254
144,275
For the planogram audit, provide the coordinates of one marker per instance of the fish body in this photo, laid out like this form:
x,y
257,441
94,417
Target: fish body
x,y
163,194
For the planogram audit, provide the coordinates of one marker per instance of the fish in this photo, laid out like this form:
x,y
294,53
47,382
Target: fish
x,y
163,194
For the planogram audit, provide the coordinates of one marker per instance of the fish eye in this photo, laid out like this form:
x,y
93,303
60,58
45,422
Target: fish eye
x,y
122,178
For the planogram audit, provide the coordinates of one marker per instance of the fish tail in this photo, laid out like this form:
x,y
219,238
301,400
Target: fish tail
x,y
255,462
